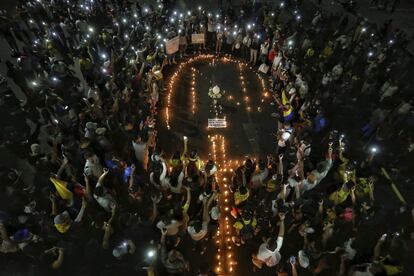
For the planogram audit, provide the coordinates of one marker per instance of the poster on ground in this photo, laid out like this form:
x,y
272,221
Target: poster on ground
x,y
172,45
197,38
217,123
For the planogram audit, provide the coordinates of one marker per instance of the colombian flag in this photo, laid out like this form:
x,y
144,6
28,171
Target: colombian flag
x,y
60,186
287,108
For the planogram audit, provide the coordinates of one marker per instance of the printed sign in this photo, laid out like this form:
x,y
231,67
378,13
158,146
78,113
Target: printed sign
x,y
172,45
197,38
217,123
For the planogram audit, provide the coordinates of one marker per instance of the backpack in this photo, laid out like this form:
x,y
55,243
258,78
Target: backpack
x,y
247,231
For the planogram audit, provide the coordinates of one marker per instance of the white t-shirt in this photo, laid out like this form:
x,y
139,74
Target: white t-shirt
x,y
260,176
106,201
210,26
247,41
139,149
303,151
198,235
177,190
277,60
264,48
319,176
172,228
271,258
306,185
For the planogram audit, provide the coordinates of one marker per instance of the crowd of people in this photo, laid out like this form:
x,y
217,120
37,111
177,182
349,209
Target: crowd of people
x,y
99,196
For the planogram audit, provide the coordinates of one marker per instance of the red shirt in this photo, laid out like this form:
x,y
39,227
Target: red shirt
x,y
271,55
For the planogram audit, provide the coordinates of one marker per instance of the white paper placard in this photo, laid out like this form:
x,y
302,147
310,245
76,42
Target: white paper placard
x,y
217,123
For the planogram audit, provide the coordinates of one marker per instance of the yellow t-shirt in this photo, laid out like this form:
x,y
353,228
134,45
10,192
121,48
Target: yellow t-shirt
x,y
331,215
362,187
175,162
310,52
239,198
239,225
339,196
271,185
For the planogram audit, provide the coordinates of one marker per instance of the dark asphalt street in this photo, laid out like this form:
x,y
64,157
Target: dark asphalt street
x,y
249,131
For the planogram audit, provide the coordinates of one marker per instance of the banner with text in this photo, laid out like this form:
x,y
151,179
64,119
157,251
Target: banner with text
x,y
197,38
217,123
172,45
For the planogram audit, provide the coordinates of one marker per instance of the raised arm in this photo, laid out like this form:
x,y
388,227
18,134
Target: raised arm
x,y
131,177
102,177
293,265
88,187
185,146
164,171
53,202
320,208
330,150
283,192
141,70
297,190
378,246
62,167
59,261
371,190
280,169
341,149
207,205
187,202
155,199
353,196
82,211
108,230
282,225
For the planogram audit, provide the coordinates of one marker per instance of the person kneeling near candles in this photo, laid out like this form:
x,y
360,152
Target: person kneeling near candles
x,y
268,252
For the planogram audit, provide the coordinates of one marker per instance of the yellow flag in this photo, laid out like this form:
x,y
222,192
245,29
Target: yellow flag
x,y
60,186
284,98
288,111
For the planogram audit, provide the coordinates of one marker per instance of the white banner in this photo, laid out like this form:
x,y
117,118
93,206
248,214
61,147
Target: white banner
x,y
197,38
172,45
217,123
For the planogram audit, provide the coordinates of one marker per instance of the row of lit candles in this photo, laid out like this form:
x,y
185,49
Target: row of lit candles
x,y
173,79
243,86
225,262
193,90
